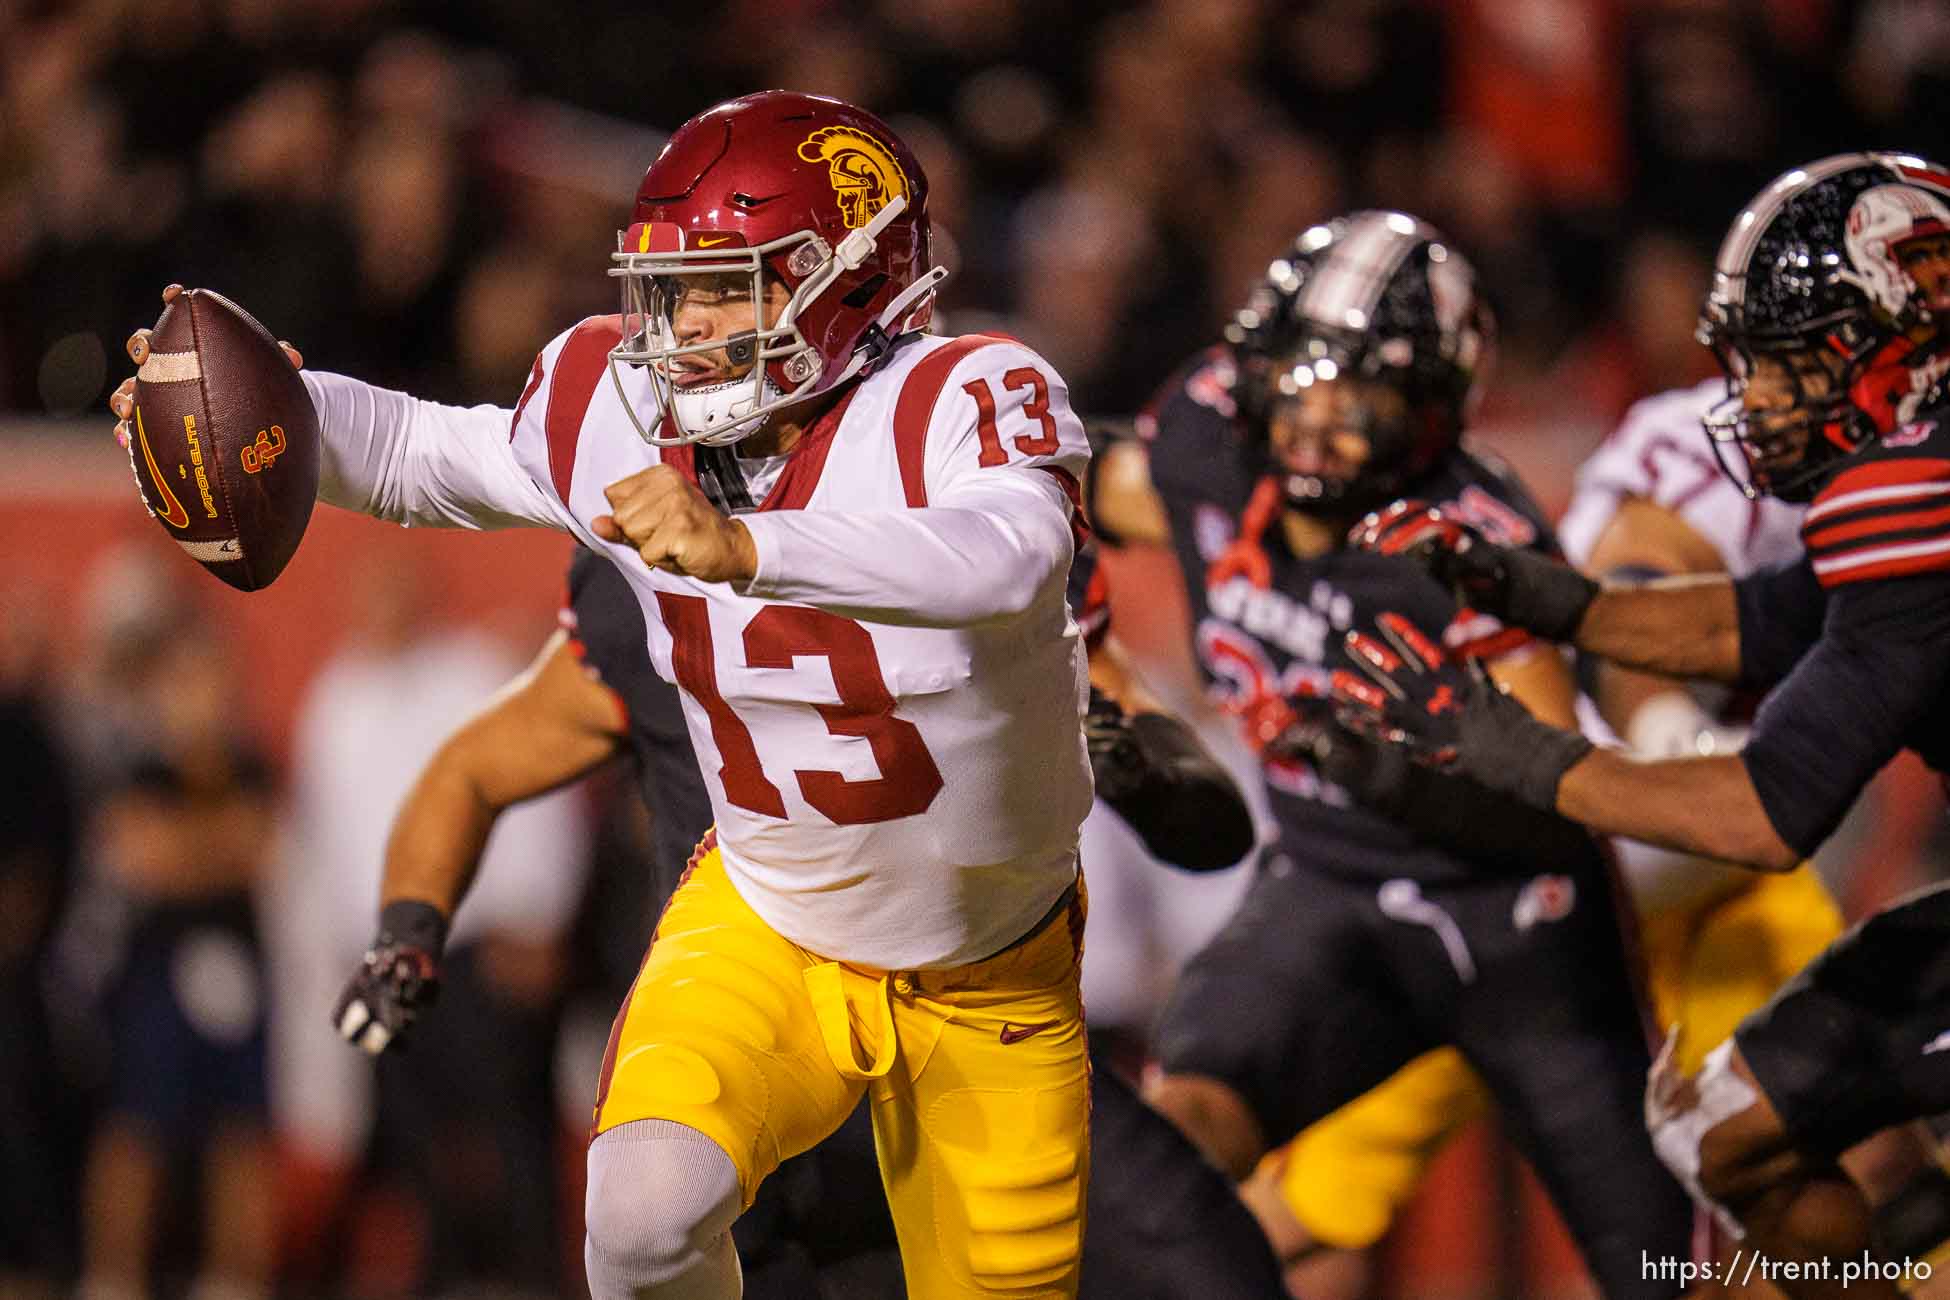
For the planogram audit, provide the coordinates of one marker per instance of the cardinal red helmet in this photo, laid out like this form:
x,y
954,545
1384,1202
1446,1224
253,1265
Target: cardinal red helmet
x,y
802,189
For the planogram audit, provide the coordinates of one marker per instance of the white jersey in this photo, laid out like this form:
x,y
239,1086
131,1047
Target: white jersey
x,y
888,714
1660,454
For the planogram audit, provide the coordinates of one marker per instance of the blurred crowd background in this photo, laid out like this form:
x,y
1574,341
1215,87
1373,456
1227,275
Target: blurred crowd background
x,y
195,786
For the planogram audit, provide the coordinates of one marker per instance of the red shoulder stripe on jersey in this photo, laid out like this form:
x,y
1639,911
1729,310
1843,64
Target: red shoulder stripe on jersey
x,y
914,410
583,361
1901,560
528,391
1881,522
1878,482
801,473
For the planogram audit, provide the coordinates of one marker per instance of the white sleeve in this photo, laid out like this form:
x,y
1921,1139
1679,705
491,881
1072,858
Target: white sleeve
x,y
412,462
997,528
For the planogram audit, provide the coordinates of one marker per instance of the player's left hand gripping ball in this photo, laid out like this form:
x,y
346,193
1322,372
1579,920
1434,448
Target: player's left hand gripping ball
x,y
222,437
1449,716
675,528
399,975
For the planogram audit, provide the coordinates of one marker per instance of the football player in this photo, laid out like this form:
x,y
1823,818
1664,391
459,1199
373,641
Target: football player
x,y
1441,915
1716,941
592,695
880,676
1833,400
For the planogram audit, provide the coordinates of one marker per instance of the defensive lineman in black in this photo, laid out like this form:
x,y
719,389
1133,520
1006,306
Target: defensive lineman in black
x,y
1441,915
1828,311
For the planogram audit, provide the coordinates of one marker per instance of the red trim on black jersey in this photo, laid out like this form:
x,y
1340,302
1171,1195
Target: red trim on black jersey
x,y
580,367
914,410
1890,562
1904,517
1881,519
1876,476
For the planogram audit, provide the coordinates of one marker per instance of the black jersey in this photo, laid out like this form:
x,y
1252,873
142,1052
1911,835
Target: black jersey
x,y
1269,624
1854,634
604,617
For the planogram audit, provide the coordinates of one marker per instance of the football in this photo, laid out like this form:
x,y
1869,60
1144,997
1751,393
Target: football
x,y
224,441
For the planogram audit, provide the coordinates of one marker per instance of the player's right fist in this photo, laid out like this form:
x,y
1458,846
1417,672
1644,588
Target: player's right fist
x,y
1519,586
674,527
398,976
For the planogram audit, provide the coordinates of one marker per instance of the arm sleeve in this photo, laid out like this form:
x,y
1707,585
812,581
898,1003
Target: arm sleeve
x,y
1781,611
418,463
999,526
1848,705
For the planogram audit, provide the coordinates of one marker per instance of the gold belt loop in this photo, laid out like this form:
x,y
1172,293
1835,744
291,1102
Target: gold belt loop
x,y
827,987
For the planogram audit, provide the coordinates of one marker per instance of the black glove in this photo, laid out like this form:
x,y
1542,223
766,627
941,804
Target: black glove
x,y
1519,586
1375,775
1482,826
1116,758
1152,771
1450,718
398,976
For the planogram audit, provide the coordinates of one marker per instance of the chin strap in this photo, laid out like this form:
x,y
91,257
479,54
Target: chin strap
x,y
877,337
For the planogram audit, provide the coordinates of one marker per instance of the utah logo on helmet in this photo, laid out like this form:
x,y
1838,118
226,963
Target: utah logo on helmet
x,y
864,173
1885,225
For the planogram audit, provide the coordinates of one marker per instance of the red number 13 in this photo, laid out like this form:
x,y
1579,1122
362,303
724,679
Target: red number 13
x,y
908,780
1035,406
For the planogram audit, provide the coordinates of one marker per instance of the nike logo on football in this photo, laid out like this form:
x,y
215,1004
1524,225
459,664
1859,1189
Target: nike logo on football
x,y
1014,1033
173,513
1940,1043
711,241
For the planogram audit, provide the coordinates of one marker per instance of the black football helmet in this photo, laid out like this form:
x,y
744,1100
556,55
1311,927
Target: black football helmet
x,y
1815,267
1379,296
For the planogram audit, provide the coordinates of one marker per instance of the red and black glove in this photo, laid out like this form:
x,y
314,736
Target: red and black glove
x,y
1519,586
399,975
1450,717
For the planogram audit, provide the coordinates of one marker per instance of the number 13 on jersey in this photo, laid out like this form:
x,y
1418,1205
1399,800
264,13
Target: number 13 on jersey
x,y
909,778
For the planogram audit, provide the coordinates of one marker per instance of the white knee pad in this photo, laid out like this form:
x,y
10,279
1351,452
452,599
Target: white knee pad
x,y
662,1198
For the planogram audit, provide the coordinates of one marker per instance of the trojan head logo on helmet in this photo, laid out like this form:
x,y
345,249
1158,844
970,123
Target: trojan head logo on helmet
x,y
864,173
1828,312
1380,311
806,207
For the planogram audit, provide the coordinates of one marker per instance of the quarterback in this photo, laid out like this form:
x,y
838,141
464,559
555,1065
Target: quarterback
x,y
850,540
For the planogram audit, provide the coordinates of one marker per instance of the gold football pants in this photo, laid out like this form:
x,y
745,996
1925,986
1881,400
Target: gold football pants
x,y
978,1075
